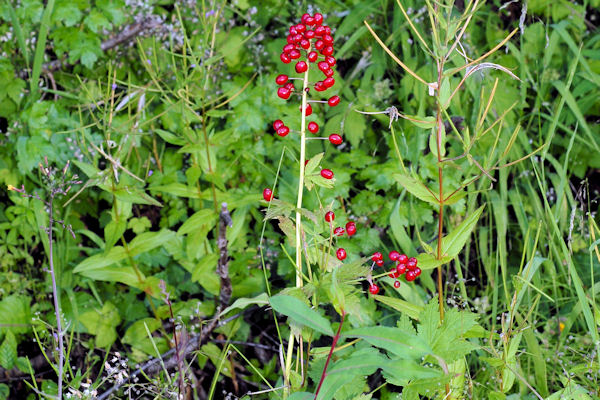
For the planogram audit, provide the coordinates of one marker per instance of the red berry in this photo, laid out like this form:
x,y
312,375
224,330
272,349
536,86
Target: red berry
x,y
327,51
373,289
300,28
304,17
379,263
396,284
402,259
313,127
394,255
289,47
285,58
417,271
377,256
351,228
298,37
305,44
410,276
328,72
329,216
327,173
339,231
294,54
320,30
411,265
309,34
281,79
301,66
312,56
327,30
333,101
293,30
393,273
412,259
283,131
319,44
401,268
323,66
290,38
308,109
340,254
335,139
267,194
318,17
284,93
278,124
329,82
319,87
330,60
289,86
310,21
327,39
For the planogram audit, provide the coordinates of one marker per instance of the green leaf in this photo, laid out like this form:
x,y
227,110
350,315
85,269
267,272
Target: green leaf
x,y
96,21
102,323
428,261
412,310
301,313
149,240
453,243
201,222
394,340
15,314
113,232
8,351
399,372
240,304
130,194
416,188
137,336
355,127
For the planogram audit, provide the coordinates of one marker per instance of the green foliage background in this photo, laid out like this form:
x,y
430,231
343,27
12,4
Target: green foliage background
x,y
175,120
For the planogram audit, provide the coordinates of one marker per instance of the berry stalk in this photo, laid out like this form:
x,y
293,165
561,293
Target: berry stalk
x,y
333,344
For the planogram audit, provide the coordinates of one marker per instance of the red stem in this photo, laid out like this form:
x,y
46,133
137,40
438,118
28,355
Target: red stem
x,y
335,340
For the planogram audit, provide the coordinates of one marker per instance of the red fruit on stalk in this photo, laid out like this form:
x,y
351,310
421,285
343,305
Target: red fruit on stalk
x,y
327,39
329,82
312,56
328,174
305,44
285,58
335,139
294,54
309,34
401,268
319,44
298,37
278,124
289,47
313,127
318,17
327,30
411,264
281,79
351,228
319,86
290,39
284,93
417,271
377,256
412,259
373,289
304,17
283,131
289,86
340,254
393,273
328,72
396,284
379,263
333,101
402,259
410,276
329,216
339,231
323,66
267,194
330,60
301,66
293,30
394,255
300,28
327,50
320,30
308,110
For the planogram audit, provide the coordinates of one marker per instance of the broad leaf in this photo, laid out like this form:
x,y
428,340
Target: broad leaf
x,y
416,188
394,340
412,310
453,243
301,313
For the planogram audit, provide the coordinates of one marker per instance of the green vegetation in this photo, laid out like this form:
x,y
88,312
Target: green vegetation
x,y
140,257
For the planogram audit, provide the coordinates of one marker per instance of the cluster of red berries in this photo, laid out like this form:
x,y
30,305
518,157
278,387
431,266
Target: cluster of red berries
x,y
403,265
339,231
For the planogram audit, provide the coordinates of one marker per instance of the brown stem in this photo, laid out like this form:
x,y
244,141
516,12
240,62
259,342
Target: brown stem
x,y
333,344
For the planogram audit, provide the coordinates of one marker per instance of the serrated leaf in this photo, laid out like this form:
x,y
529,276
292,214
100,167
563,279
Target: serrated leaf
x,y
279,208
313,163
416,188
301,313
410,309
453,243
394,340
399,372
8,351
